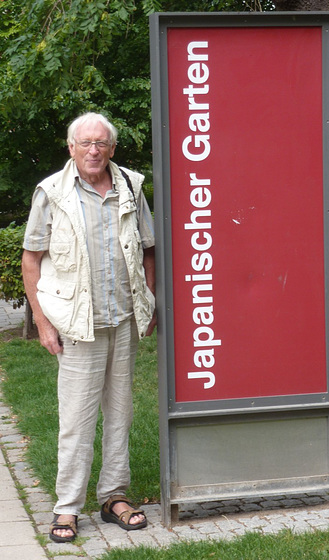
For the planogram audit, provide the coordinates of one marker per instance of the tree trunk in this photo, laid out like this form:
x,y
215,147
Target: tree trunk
x,y
302,5
28,328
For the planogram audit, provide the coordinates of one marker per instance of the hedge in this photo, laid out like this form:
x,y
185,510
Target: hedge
x,y
11,281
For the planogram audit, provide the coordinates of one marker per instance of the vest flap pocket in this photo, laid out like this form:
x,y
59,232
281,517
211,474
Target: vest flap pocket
x,y
56,288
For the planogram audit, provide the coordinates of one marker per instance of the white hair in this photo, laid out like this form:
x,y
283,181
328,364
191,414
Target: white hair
x,y
94,117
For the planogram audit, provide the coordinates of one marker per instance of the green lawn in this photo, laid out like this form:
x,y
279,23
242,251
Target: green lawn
x,y
285,546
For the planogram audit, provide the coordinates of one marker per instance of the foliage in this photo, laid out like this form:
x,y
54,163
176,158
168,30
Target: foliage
x,y
11,282
60,58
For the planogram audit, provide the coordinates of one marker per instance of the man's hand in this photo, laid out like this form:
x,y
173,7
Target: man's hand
x,y
49,337
152,325
149,267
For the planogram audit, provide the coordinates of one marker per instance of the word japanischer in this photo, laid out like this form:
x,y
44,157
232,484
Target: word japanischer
x,y
196,147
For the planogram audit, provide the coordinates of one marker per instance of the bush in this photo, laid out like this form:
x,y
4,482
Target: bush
x,y
11,281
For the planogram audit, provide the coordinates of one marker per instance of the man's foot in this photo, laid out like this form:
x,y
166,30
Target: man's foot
x,y
64,528
118,509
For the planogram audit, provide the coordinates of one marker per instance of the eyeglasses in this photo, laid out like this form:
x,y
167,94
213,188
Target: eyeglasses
x,y
100,144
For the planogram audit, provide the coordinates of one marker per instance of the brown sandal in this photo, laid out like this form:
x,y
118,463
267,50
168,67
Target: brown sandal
x,y
59,525
108,515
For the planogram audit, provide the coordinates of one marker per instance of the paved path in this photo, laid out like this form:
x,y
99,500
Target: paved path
x,y
10,317
24,520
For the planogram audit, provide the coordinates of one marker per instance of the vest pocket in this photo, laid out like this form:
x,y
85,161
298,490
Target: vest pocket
x,y
56,301
62,255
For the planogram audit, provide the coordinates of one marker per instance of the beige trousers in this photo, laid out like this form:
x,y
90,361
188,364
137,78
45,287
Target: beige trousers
x,y
93,374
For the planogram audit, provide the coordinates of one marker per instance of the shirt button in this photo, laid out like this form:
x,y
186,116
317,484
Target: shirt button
x,y
58,291
126,246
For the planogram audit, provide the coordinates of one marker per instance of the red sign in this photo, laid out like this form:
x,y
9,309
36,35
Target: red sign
x,y
245,110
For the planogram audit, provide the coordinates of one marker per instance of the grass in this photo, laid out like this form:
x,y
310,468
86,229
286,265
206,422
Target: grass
x,y
30,387
285,546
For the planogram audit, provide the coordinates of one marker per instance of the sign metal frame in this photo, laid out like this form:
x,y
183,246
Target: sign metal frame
x,y
184,421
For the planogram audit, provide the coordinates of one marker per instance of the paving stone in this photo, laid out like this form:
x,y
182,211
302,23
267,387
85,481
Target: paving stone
x,y
292,503
21,466
35,489
62,549
12,511
211,505
13,455
43,518
122,545
275,517
312,516
273,528
7,429
231,524
250,507
95,547
301,527
43,529
25,479
70,557
139,538
13,438
269,504
252,500
184,532
38,497
31,552
302,515
201,537
38,507
313,500
186,515
324,512
228,536
18,532
163,537
254,523
320,524
207,528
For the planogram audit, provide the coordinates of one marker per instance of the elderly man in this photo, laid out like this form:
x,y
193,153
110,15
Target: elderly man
x,y
88,269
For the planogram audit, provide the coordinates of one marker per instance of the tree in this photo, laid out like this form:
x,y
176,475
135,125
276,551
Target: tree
x,y
60,58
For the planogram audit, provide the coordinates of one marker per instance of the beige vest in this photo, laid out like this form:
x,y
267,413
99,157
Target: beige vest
x,y
64,288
